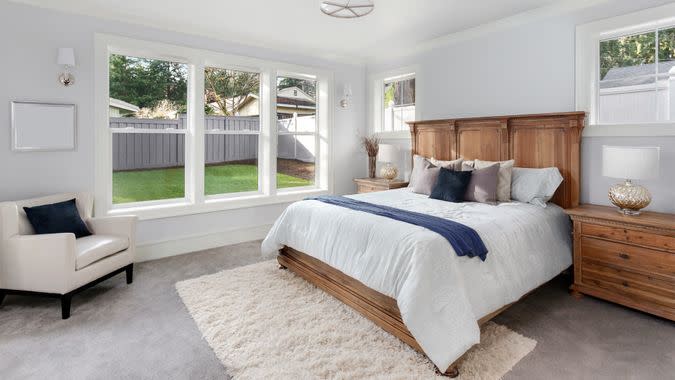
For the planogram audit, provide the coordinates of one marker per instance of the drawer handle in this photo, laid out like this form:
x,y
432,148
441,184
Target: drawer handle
x,y
624,256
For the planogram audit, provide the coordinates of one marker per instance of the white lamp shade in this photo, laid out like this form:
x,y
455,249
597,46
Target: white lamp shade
x,y
630,162
66,57
387,153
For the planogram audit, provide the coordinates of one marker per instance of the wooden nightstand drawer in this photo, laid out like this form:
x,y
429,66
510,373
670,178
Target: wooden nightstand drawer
x,y
628,256
629,236
608,277
368,188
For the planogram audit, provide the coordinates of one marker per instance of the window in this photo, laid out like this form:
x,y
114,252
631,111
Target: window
x,y
635,83
393,99
232,129
148,101
398,103
625,78
297,127
182,130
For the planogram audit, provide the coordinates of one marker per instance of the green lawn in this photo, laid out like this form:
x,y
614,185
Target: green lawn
x,y
152,184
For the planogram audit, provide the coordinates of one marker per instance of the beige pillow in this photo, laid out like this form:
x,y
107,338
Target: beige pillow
x,y
452,165
503,179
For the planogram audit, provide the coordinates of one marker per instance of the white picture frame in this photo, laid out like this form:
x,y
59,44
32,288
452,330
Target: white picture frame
x,y
43,127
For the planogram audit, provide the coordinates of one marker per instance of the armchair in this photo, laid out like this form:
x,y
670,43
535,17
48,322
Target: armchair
x,y
59,265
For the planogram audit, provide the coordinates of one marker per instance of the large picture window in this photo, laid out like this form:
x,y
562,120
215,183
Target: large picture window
x,y
147,108
182,130
297,132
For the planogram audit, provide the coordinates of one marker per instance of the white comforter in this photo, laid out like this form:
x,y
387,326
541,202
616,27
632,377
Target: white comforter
x,y
441,296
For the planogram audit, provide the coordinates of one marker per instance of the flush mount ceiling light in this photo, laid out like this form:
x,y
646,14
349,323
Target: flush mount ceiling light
x,y
347,8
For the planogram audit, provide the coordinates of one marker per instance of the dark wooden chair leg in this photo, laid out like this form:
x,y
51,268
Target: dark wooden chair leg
x,y
130,273
65,305
2,297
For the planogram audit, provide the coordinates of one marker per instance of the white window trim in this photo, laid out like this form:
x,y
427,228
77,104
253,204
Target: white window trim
x,y
376,93
588,37
195,201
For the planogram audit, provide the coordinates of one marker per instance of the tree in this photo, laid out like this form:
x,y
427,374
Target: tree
x,y
147,82
229,88
639,49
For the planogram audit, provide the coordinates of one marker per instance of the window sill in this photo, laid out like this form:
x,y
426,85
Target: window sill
x,y
393,135
168,210
630,130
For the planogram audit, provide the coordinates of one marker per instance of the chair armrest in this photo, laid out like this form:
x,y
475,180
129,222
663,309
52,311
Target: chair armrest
x,y
114,225
9,220
38,262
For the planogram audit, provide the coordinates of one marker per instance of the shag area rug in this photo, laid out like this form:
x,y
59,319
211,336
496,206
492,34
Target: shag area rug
x,y
263,322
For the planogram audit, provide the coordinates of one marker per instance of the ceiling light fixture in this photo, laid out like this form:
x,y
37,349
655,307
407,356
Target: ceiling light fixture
x,y
347,8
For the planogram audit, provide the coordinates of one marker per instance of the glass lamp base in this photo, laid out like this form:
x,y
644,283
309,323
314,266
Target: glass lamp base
x,y
626,211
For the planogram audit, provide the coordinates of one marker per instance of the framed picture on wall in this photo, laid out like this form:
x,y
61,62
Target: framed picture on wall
x,y
43,127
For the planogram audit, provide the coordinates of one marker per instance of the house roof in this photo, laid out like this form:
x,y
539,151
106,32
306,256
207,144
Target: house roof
x,y
635,75
121,104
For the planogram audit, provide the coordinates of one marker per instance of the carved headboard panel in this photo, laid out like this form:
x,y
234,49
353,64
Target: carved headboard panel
x,y
533,141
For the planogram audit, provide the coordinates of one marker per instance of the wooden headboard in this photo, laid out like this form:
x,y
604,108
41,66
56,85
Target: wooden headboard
x,y
533,141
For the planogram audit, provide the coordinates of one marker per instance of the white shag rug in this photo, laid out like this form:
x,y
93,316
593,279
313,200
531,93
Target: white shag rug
x,y
263,322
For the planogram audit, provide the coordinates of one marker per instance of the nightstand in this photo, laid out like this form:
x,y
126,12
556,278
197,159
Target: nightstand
x,y
368,185
629,260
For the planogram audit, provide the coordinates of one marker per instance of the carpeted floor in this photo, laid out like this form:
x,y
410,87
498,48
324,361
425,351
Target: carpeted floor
x,y
144,331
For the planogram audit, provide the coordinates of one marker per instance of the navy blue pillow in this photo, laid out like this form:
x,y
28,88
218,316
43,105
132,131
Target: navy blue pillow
x,y
57,218
451,185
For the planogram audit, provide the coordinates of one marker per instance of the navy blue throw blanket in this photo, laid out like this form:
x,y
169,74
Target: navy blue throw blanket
x,y
463,239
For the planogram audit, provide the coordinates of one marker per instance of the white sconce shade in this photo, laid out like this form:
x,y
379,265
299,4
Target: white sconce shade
x,y
630,162
66,57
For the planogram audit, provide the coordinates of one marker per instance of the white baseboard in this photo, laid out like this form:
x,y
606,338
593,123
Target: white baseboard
x,y
174,247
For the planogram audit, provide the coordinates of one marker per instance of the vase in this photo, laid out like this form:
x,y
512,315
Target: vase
x,y
372,161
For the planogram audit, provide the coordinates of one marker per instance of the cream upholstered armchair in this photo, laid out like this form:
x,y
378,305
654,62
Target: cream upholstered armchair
x,y
59,265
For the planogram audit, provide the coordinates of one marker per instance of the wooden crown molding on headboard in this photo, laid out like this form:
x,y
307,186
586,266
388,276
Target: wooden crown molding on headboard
x,y
533,141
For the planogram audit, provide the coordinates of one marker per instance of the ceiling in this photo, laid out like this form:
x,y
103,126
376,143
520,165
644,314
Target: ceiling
x,y
299,25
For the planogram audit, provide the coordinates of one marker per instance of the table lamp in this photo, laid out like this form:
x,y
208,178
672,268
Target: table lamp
x,y
630,163
388,154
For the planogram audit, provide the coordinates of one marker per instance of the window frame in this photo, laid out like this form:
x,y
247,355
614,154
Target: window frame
x,y
376,96
587,69
195,200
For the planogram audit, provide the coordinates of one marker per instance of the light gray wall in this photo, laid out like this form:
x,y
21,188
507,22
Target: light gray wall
x,y
30,37
527,69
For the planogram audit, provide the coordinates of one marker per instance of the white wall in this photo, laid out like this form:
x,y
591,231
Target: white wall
x,y
30,37
527,68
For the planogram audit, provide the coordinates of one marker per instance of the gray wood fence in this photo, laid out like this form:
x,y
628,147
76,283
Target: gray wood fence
x,y
137,150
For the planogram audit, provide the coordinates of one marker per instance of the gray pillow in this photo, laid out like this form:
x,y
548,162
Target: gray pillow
x,y
483,184
419,163
426,179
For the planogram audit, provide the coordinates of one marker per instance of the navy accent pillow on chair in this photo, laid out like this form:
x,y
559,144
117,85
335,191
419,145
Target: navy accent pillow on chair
x,y
57,218
451,185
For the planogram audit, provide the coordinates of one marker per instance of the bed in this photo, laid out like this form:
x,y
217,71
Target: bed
x,y
406,278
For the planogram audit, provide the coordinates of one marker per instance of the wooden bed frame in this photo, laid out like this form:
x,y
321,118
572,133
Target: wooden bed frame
x,y
534,141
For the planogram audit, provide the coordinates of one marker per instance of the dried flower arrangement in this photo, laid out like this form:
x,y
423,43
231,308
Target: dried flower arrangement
x,y
371,145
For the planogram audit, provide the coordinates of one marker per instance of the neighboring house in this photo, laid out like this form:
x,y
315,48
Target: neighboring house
x,y
291,100
635,75
120,108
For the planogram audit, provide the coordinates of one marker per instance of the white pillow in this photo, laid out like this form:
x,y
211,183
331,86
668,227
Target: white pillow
x,y
535,186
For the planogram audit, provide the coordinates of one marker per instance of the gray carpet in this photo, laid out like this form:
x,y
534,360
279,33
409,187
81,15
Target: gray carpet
x,y
143,331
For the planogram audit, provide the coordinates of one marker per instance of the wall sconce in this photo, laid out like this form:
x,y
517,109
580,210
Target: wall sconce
x,y
66,58
346,100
